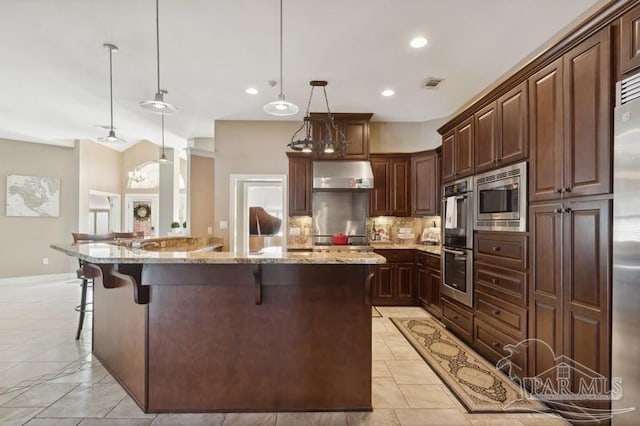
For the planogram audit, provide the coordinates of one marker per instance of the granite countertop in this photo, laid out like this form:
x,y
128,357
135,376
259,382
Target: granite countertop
x,y
111,253
431,249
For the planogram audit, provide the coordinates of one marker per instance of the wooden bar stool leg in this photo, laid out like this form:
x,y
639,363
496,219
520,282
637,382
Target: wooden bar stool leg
x,y
83,306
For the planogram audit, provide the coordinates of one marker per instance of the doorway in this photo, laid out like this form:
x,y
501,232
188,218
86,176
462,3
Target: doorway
x,y
104,212
141,213
249,193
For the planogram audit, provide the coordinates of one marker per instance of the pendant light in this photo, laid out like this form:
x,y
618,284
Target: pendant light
x,y
281,107
163,157
158,105
111,138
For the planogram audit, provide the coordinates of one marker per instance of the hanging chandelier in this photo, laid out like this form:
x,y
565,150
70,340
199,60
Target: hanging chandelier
x,y
111,138
157,104
331,138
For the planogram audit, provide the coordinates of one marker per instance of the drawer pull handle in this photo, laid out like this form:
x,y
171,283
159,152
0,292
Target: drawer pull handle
x,y
496,312
494,280
496,344
495,248
455,317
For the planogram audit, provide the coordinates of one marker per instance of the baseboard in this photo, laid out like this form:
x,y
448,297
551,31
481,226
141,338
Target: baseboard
x,y
38,278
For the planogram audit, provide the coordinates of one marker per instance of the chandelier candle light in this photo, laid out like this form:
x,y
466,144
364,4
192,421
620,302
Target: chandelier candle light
x,y
327,143
111,138
158,105
281,107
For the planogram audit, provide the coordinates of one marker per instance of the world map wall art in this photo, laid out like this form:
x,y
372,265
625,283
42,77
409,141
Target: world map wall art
x,y
34,196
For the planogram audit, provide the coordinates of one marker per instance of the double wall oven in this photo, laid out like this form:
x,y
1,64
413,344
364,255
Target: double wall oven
x,y
457,241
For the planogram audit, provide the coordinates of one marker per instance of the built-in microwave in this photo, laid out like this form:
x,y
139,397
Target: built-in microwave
x,y
501,199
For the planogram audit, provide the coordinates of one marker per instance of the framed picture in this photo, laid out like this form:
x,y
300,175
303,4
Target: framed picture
x,y
34,196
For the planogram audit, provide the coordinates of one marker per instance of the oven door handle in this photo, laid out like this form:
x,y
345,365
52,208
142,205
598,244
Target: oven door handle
x,y
456,252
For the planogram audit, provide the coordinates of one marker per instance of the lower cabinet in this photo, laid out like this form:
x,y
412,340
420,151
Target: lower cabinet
x,y
458,318
393,282
428,281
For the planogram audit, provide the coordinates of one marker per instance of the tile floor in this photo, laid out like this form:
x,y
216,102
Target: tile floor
x,y
47,378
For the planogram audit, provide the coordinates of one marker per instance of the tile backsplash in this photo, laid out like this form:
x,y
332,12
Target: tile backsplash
x,y
387,227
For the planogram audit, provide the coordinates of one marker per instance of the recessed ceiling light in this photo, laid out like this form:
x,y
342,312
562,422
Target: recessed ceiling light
x,y
388,92
418,42
252,91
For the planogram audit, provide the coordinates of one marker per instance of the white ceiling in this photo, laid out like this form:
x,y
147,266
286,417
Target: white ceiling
x,y
54,70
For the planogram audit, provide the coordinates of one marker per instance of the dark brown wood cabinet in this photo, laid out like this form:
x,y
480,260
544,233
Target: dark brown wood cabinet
x,y
501,130
458,151
300,183
630,41
391,195
428,282
570,288
458,318
354,126
393,282
425,182
571,141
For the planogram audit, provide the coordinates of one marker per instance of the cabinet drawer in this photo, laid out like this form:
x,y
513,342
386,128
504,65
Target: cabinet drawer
x,y
458,318
490,342
433,261
509,318
502,249
505,284
396,255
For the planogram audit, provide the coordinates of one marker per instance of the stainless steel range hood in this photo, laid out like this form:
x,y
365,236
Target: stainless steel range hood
x,y
353,175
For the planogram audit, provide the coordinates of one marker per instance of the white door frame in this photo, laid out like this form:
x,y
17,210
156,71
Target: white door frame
x,y
239,212
116,208
128,204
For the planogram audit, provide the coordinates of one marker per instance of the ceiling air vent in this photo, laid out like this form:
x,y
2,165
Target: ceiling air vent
x,y
432,83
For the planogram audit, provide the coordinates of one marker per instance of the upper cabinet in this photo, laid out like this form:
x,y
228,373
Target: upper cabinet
x,y
630,40
300,176
391,195
570,115
501,130
425,183
458,151
354,126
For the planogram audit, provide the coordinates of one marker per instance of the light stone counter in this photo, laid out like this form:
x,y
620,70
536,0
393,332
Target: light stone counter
x,y
109,253
431,249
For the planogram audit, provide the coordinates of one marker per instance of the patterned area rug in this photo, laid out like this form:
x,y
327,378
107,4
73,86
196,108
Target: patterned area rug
x,y
375,313
478,384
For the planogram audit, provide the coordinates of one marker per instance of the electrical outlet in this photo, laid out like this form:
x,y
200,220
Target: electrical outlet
x,y
224,224
45,260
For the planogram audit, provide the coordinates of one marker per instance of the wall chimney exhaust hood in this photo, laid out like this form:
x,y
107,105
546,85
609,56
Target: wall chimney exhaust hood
x,y
352,175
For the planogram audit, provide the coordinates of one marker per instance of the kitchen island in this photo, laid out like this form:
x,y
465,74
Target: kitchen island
x,y
218,331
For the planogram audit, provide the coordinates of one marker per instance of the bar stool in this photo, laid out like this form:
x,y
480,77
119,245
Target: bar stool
x,y
82,307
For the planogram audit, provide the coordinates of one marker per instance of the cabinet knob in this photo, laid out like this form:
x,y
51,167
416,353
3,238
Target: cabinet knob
x,y
495,248
496,344
567,189
494,280
558,190
496,312
557,210
567,210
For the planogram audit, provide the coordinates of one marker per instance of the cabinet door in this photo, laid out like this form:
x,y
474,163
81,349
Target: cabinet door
x,y
486,126
545,227
513,125
378,202
464,148
424,184
382,291
405,289
300,176
357,135
586,272
630,40
448,156
587,129
422,282
433,284
400,187
546,118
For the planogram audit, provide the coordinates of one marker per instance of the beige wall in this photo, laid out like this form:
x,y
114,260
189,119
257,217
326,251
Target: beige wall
x,y
202,196
100,169
26,240
138,154
247,147
387,137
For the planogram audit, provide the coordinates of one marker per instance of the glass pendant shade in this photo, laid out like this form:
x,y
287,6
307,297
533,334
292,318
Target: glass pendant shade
x,y
111,138
281,107
158,105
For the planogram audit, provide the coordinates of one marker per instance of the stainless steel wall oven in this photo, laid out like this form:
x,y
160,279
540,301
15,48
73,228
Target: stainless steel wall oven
x,y
457,231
